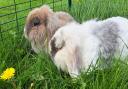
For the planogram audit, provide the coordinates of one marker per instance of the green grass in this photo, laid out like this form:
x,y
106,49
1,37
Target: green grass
x,y
39,69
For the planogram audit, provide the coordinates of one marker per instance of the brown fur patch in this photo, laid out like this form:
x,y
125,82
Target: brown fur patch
x,y
42,23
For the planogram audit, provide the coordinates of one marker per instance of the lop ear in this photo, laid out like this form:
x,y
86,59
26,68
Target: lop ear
x,y
57,20
74,62
56,44
52,24
64,17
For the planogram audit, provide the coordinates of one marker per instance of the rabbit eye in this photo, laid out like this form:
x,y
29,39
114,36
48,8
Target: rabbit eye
x,y
36,22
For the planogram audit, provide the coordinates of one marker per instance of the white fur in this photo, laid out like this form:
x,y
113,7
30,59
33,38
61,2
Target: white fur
x,y
81,37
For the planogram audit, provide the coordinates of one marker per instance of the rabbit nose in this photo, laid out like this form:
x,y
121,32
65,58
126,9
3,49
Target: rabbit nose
x,y
36,22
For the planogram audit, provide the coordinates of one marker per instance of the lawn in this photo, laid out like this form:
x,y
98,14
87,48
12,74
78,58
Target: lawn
x,y
37,71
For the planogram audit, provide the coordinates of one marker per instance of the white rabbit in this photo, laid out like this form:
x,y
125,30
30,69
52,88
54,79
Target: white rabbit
x,y
41,24
74,47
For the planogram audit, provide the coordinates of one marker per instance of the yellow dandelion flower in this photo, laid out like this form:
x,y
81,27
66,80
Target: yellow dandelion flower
x,y
8,73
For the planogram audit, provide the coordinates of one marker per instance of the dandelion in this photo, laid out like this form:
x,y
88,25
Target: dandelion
x,y
7,74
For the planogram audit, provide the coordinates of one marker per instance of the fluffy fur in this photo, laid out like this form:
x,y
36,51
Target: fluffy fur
x,y
41,24
75,47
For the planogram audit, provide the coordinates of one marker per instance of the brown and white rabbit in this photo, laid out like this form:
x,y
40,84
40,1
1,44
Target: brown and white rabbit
x,y
74,47
41,24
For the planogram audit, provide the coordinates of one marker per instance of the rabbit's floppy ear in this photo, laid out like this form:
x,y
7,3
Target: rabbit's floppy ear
x,y
57,20
73,63
64,17
62,49
52,24
56,45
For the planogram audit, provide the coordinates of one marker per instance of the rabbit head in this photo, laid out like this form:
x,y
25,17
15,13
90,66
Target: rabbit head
x,y
41,24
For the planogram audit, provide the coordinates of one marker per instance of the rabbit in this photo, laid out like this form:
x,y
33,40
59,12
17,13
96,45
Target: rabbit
x,y
77,47
41,24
